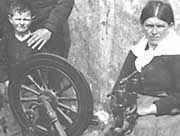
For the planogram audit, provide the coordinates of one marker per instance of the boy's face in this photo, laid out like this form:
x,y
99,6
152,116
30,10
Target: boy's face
x,y
21,21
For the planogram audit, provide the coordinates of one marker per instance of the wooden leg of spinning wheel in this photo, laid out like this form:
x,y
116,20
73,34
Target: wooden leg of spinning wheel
x,y
57,126
52,115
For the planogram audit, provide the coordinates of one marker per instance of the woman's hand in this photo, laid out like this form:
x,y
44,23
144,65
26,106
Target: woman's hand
x,y
152,109
39,38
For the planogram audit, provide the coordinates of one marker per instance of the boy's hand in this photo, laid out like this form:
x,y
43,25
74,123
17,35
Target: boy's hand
x,y
39,38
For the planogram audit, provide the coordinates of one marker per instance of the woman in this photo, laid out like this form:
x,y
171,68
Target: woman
x,y
157,58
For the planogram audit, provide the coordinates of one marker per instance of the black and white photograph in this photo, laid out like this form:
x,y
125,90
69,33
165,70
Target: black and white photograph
x,y
89,68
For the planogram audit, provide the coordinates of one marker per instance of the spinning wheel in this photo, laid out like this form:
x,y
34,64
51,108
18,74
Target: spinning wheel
x,y
60,85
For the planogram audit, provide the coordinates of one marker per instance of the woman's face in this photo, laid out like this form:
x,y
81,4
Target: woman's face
x,y
155,30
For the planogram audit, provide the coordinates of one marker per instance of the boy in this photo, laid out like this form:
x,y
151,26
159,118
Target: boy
x,y
16,46
20,18
14,49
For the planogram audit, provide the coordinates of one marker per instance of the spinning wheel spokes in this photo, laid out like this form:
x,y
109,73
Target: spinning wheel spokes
x,y
67,118
64,88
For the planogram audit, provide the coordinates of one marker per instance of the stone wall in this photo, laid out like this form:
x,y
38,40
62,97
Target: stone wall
x,y
102,32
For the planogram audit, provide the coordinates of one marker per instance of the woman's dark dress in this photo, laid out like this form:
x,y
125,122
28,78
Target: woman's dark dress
x,y
160,84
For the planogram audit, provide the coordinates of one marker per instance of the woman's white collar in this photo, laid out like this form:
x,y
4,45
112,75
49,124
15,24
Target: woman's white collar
x,y
168,46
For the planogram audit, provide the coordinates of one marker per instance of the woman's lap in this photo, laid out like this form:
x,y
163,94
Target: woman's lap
x,y
151,125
